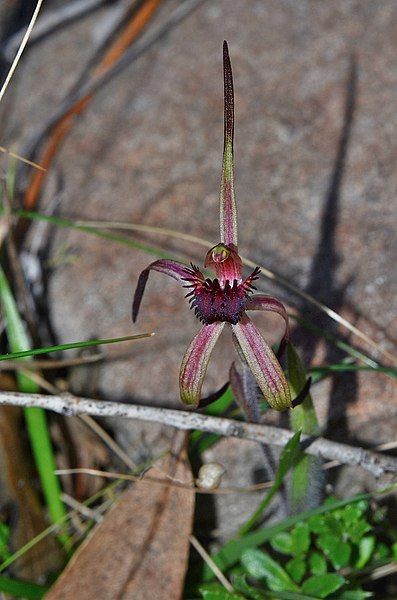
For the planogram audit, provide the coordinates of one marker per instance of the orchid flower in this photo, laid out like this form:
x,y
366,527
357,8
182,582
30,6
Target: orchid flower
x,y
226,298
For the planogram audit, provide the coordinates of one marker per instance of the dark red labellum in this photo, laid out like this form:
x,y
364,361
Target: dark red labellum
x,y
212,303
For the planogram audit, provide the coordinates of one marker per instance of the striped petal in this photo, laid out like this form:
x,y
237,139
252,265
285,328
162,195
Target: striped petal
x,y
174,269
268,303
228,211
195,362
263,364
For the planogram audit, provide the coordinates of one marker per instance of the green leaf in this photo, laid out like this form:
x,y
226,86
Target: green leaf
x,y
317,564
21,589
351,513
216,591
296,568
282,542
261,566
241,585
300,538
321,586
335,549
70,346
287,458
303,418
382,551
307,482
366,548
317,524
231,552
335,526
356,530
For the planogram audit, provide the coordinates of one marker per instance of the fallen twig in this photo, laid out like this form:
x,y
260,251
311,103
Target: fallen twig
x,y
67,404
21,48
50,21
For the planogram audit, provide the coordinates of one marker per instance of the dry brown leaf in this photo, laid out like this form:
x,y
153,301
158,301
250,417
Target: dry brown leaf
x,y
140,550
19,500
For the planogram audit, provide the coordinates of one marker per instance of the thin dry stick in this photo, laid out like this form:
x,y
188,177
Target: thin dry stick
x,y
88,421
21,48
170,483
378,448
22,159
14,65
50,21
264,271
383,571
387,446
84,510
208,560
54,528
223,490
67,404
108,440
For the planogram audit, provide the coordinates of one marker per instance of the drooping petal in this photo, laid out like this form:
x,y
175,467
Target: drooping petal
x,y
263,364
228,211
195,362
271,304
174,269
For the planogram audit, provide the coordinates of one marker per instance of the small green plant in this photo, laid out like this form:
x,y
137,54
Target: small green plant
x,y
327,555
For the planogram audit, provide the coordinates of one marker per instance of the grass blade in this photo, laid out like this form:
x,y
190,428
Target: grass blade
x,y
107,235
343,368
22,589
72,345
36,419
335,340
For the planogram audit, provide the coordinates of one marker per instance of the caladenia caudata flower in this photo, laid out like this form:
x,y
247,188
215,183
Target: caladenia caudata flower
x,y
226,298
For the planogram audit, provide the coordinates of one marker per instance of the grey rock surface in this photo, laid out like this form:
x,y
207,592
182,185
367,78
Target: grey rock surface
x,y
148,150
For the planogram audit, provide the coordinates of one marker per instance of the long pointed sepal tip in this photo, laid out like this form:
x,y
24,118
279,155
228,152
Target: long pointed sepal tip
x,y
228,212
